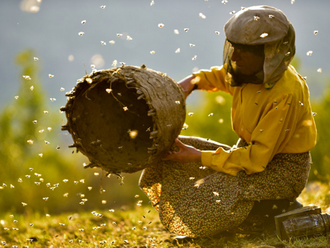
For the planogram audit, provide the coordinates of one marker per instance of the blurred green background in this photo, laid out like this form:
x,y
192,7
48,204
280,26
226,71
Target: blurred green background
x,y
40,173
38,170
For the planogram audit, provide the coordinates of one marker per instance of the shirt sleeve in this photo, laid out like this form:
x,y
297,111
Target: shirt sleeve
x,y
212,80
274,130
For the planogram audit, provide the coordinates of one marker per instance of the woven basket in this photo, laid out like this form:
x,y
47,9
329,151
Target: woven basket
x,y
125,118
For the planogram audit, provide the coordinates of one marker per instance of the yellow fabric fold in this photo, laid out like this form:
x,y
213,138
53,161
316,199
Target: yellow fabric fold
x,y
272,121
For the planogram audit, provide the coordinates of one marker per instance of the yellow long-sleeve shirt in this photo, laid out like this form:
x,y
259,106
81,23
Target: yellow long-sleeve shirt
x,y
272,121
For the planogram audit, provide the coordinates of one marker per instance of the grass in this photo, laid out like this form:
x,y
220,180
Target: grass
x,y
138,227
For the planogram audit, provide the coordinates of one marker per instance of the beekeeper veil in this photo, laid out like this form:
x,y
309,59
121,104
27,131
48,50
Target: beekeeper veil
x,y
262,30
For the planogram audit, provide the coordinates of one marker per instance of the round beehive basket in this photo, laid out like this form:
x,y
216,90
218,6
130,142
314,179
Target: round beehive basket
x,y
125,118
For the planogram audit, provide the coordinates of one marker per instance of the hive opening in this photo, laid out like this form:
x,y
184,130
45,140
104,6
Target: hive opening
x,y
98,117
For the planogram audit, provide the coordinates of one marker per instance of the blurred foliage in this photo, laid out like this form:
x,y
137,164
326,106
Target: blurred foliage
x,y
320,154
209,117
40,173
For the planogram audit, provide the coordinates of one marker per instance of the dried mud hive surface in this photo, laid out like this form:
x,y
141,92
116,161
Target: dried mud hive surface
x,y
125,118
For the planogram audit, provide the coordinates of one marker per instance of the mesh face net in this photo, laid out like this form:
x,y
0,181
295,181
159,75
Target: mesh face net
x,y
255,26
234,76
